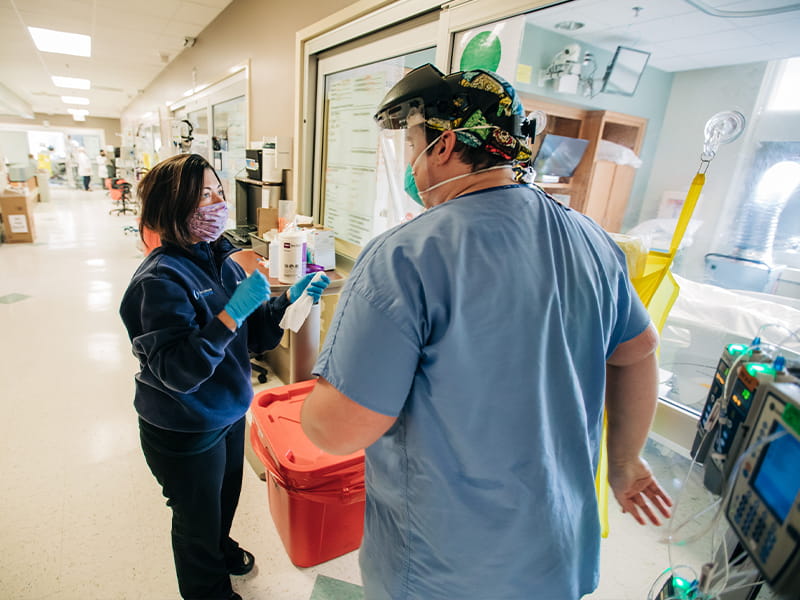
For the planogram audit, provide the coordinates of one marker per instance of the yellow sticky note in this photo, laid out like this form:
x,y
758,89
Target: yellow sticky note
x,y
524,73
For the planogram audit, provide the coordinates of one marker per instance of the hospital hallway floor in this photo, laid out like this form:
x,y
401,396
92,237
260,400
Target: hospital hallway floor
x,y
82,517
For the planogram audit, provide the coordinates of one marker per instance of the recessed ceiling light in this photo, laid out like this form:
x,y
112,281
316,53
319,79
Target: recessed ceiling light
x,y
61,42
569,25
74,100
71,82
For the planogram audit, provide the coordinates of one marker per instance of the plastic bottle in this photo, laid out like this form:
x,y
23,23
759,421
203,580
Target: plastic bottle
x,y
274,261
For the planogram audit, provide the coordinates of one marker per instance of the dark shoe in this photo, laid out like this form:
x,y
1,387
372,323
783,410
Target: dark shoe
x,y
234,596
244,565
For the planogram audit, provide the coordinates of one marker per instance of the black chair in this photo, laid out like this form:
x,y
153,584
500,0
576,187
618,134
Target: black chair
x,y
261,370
121,193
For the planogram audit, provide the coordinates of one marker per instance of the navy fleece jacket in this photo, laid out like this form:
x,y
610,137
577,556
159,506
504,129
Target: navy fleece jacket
x,y
195,372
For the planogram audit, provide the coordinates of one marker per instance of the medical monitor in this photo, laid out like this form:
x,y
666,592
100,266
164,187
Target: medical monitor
x,y
624,72
559,156
776,480
764,500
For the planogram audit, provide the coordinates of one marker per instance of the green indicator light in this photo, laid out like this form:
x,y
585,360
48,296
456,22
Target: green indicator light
x,y
680,583
682,589
734,349
756,368
746,394
791,416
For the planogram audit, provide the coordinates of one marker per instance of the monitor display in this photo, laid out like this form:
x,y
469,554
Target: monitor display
x,y
777,481
625,70
559,156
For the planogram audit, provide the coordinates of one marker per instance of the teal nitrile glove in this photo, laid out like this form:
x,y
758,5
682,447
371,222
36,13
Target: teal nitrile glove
x,y
314,290
248,296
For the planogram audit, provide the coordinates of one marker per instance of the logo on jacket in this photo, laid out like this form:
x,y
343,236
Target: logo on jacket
x,y
202,293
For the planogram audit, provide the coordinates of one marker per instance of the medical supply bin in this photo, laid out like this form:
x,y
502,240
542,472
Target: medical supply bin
x,y
316,499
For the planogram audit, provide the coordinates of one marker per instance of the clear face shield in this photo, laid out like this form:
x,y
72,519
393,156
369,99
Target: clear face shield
x,y
404,127
399,138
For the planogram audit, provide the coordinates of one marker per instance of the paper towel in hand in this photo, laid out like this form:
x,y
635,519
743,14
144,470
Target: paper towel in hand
x,y
297,313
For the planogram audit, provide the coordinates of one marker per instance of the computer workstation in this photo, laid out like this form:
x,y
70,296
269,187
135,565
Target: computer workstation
x,y
250,195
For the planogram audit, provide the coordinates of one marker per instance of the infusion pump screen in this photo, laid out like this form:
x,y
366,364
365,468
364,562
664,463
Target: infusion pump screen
x,y
776,481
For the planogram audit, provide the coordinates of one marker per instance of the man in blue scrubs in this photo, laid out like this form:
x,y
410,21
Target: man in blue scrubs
x,y
471,354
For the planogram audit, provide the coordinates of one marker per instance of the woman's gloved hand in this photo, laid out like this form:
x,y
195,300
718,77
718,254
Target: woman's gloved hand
x,y
248,296
314,290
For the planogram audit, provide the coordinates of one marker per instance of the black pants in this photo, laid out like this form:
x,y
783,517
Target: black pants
x,y
86,180
202,489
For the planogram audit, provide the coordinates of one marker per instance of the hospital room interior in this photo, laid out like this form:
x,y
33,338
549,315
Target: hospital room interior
x,y
673,124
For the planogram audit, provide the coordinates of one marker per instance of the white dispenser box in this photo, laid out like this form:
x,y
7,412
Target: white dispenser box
x,y
291,256
276,156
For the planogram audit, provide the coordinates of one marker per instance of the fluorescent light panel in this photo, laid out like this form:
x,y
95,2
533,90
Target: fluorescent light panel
x,y
74,100
71,82
61,42
79,114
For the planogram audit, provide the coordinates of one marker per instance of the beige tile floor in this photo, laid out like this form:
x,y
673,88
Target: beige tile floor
x,y
81,515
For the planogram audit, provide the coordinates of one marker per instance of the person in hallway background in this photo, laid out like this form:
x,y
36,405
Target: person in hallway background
x,y
84,167
102,168
193,317
471,354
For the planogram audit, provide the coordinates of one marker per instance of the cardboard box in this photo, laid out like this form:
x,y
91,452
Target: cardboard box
x,y
267,218
16,211
321,246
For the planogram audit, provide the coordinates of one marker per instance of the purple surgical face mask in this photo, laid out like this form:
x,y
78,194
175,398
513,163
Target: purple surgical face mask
x,y
208,222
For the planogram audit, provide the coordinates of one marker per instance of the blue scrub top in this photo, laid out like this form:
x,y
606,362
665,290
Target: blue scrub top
x,y
483,325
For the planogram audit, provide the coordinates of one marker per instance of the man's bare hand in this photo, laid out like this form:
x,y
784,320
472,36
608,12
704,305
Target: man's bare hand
x,y
637,491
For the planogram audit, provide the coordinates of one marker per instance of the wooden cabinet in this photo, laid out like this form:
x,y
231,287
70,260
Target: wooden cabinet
x,y
598,188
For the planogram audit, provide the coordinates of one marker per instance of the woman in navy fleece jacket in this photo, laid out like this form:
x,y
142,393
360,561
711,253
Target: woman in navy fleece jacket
x,y
193,317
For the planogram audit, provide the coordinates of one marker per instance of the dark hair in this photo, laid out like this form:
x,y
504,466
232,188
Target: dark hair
x,y
476,158
169,194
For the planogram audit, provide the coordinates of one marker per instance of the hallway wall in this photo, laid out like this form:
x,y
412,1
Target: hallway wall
x,y
259,31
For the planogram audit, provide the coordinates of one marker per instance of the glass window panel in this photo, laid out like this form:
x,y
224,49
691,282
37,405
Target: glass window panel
x,y
199,121
357,203
228,142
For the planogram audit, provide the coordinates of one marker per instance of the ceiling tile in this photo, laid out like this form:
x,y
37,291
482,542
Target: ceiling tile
x,y
197,14
742,5
80,9
786,31
134,22
218,4
58,22
166,8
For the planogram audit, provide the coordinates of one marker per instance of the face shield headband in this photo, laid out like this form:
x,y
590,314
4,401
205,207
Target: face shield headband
x,y
403,115
475,131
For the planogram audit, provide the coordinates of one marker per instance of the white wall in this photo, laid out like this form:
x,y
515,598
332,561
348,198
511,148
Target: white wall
x,y
14,147
697,95
260,33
